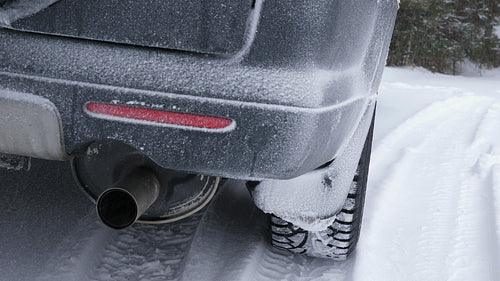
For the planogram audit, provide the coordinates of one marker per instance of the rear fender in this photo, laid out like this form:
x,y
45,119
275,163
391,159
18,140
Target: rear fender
x,y
312,200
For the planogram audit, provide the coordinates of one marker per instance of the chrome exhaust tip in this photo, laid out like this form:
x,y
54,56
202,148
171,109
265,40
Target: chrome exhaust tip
x,y
124,203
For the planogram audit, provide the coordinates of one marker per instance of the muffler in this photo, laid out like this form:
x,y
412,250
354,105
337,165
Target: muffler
x,y
124,203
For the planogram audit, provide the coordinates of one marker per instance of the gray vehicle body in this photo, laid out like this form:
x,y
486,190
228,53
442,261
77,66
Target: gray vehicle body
x,y
295,77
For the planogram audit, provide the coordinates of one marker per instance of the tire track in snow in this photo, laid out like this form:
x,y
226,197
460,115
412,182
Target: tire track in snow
x,y
447,145
230,234
75,258
480,192
268,263
148,252
141,252
431,160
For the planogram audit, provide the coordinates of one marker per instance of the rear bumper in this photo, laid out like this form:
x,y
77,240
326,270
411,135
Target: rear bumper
x,y
296,93
268,141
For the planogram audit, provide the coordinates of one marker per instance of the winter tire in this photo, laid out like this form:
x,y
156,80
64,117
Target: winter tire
x,y
340,238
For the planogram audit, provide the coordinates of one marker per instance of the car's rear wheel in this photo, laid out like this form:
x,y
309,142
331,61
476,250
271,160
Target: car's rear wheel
x,y
341,237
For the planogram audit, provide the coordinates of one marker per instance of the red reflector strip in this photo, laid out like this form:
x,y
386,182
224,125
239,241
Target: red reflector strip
x,y
158,116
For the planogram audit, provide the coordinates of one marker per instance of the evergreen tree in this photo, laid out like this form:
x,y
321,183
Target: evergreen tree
x,y
440,35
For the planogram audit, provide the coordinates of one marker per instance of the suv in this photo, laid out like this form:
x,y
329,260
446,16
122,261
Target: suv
x,y
156,102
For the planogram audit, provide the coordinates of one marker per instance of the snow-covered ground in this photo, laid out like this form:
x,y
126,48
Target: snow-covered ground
x,y
497,31
432,209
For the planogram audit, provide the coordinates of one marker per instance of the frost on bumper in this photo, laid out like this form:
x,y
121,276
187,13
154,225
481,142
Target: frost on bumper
x,y
312,201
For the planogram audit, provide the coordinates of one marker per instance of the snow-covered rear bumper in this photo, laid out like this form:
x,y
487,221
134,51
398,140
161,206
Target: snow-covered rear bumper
x,y
295,101
268,141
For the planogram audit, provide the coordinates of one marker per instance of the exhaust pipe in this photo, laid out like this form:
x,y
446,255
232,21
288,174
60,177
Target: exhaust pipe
x,y
124,203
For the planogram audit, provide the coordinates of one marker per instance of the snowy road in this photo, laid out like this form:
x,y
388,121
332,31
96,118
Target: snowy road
x,y
434,195
432,209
